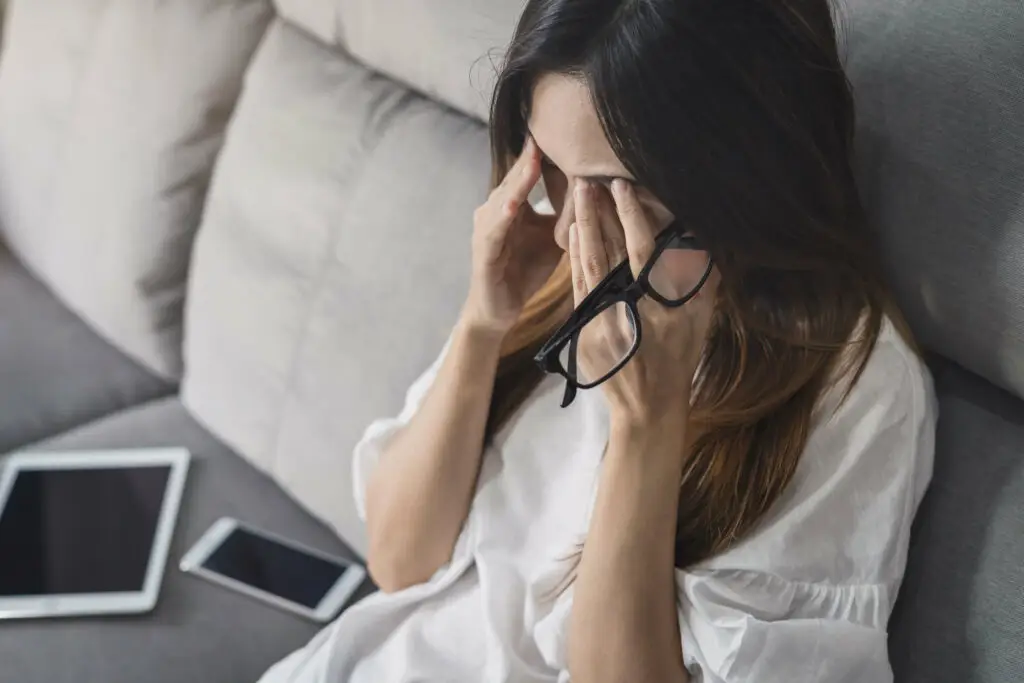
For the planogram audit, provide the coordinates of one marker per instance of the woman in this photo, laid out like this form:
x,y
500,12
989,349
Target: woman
x,y
734,502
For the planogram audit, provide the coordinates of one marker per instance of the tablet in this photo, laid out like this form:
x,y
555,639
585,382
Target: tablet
x,y
86,532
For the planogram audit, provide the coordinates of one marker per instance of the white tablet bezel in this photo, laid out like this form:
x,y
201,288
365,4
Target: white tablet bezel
x,y
333,600
78,604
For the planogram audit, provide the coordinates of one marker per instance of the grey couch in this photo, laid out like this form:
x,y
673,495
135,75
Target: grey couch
x,y
242,227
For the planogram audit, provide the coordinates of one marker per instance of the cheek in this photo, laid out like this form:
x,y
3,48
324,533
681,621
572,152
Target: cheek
x,y
659,216
556,185
678,272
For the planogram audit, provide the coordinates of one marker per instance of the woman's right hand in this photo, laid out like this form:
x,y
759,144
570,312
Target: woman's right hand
x,y
514,251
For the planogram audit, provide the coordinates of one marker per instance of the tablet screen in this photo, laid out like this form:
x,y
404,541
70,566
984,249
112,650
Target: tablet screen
x,y
80,531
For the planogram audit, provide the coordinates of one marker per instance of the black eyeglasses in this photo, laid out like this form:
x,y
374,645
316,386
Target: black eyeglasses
x,y
672,276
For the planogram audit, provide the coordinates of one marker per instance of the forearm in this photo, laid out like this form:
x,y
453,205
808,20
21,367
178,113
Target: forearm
x,y
420,492
624,624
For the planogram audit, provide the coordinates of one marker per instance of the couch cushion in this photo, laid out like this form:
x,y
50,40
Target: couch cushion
x,y
960,613
111,115
448,49
198,632
55,373
940,93
331,263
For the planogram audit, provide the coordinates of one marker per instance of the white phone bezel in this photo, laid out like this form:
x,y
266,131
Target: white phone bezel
x,y
129,602
334,599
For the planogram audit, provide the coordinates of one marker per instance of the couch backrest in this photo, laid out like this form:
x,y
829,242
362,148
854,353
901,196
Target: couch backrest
x,y
940,93
331,262
448,50
111,115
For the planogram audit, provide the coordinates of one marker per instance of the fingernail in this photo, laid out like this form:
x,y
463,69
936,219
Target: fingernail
x,y
572,235
618,186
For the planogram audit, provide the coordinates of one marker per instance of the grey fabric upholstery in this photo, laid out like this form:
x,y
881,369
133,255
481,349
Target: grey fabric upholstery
x,y
198,632
448,50
330,265
55,372
960,613
111,116
940,98
940,94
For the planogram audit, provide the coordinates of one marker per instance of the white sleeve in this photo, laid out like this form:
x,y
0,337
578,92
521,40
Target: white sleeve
x,y
807,596
750,626
379,433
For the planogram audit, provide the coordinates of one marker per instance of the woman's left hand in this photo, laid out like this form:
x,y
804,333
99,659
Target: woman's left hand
x,y
657,381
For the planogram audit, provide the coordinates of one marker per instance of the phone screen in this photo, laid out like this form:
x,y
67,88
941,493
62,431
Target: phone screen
x,y
275,568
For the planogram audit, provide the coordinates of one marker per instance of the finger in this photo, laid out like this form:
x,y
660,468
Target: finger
x,y
529,147
638,230
579,282
611,230
491,230
521,178
593,257
508,200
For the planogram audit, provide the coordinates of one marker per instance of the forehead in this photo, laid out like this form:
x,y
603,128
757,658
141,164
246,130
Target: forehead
x,y
565,125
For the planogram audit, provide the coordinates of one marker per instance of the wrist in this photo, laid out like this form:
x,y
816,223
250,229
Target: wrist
x,y
663,431
478,333
476,316
662,415
479,326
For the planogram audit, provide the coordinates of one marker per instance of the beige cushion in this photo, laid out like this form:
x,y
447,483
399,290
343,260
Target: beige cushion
x,y
448,49
111,115
330,265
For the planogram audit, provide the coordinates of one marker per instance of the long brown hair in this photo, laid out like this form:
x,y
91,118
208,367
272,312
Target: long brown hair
x,y
738,116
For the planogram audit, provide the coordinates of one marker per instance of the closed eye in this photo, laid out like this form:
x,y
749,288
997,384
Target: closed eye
x,y
547,164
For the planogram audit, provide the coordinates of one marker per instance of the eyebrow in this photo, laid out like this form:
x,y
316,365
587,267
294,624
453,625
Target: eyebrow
x,y
603,179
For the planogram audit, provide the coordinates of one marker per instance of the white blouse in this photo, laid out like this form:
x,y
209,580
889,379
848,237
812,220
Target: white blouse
x,y
806,597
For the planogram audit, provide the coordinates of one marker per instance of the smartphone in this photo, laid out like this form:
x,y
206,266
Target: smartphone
x,y
273,569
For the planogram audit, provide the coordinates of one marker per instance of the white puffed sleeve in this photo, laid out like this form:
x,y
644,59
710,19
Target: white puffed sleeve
x,y
378,434
807,596
749,626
